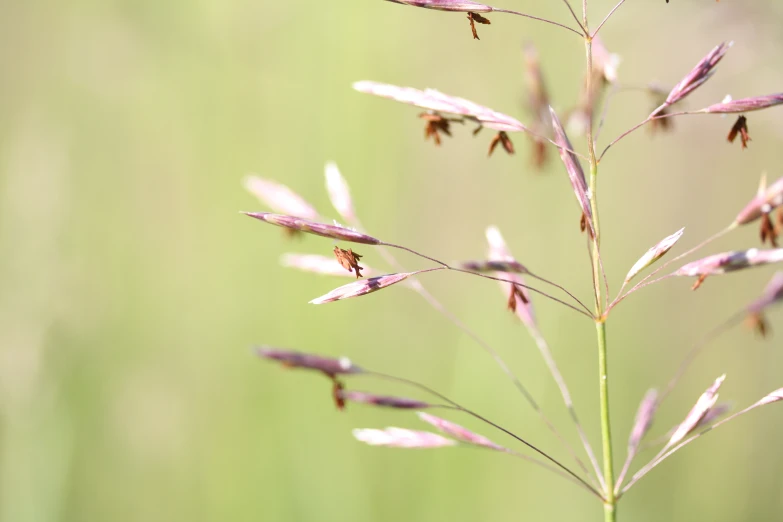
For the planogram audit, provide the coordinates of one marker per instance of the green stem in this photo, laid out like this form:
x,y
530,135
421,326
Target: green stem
x,y
606,431
610,500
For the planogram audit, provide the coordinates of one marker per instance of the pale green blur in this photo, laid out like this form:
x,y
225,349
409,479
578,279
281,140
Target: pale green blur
x,y
132,291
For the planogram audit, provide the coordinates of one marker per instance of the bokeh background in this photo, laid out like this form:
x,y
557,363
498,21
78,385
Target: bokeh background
x,y
131,290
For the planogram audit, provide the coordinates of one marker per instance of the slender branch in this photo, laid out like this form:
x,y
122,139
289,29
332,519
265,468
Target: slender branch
x,y
427,296
551,283
504,367
644,122
410,250
520,285
538,19
698,347
624,471
485,276
546,353
607,18
429,390
576,18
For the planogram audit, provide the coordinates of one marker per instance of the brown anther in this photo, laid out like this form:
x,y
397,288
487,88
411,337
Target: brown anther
x,y
473,18
511,304
291,233
435,125
757,322
502,138
337,396
768,232
539,153
699,281
515,292
740,127
661,122
583,222
349,260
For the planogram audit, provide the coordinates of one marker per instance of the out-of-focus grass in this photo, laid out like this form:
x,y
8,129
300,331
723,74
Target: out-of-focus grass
x,y
131,290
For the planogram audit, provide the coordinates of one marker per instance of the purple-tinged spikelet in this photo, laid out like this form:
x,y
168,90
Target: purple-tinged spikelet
x,y
459,433
509,266
279,198
448,5
605,63
730,261
294,359
697,413
774,396
519,298
766,200
654,254
773,293
359,288
698,75
339,193
433,100
745,104
386,401
313,227
644,419
717,411
575,173
402,438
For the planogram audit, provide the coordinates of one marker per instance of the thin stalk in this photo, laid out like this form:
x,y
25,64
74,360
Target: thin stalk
x,y
607,18
697,348
610,500
546,353
576,18
538,19
647,120
438,306
552,283
485,276
475,415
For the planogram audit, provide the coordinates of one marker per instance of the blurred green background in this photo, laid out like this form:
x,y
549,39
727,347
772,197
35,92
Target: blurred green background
x,y
131,291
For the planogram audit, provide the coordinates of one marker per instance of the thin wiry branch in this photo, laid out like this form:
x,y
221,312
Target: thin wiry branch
x,y
459,407
540,20
576,18
438,306
607,17
485,276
